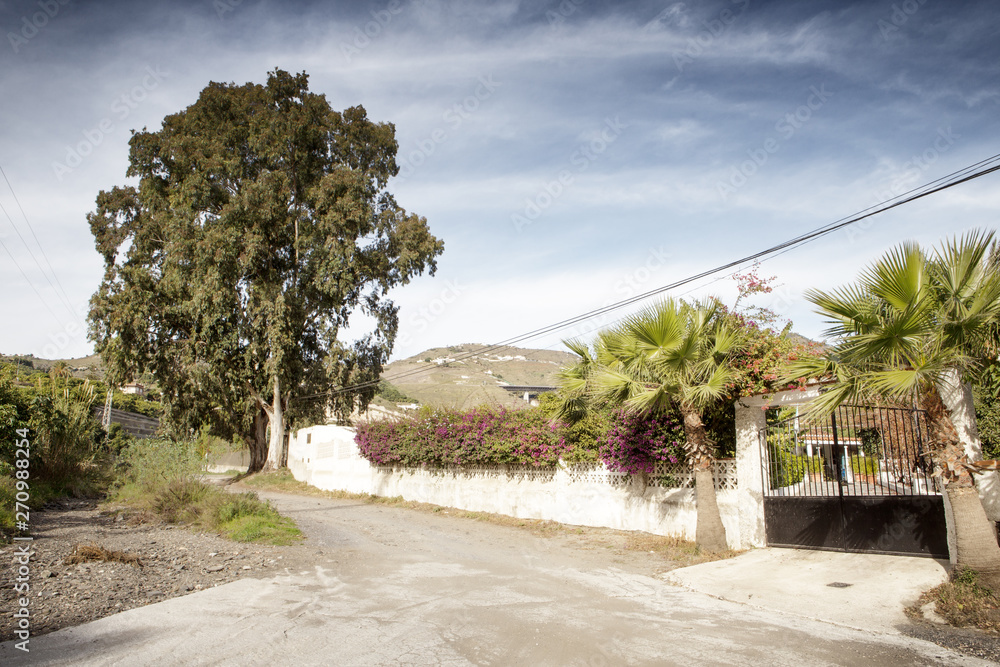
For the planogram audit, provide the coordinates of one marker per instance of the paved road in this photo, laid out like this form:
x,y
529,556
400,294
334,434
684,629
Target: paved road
x,y
388,586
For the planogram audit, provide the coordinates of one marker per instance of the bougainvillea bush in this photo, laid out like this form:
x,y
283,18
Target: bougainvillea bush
x,y
488,436
478,437
635,442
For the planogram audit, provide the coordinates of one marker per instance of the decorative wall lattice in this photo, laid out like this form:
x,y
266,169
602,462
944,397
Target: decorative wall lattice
x,y
665,475
507,473
680,476
596,473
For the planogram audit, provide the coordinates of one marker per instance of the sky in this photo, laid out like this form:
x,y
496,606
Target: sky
x,y
569,154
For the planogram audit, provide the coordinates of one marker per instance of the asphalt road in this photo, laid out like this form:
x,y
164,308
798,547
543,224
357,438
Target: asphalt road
x,y
388,586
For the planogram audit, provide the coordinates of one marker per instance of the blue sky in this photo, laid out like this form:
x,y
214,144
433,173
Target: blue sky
x,y
570,154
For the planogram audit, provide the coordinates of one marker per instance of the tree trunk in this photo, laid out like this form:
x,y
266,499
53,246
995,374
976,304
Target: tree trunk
x,y
957,397
258,446
975,537
976,541
710,533
275,452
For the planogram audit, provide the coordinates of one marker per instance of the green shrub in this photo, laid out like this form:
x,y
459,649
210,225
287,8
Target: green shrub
x,y
161,476
177,501
865,465
585,438
152,463
390,392
8,493
244,504
784,468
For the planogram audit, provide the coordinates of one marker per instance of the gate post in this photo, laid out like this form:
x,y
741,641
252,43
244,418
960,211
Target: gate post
x,y
750,421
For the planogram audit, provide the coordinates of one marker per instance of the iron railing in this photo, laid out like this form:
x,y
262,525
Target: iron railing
x,y
856,451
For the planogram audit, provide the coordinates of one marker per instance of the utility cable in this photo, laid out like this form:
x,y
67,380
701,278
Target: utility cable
x,y
966,174
60,291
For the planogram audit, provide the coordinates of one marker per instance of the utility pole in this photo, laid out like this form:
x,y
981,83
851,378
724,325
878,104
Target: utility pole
x,y
106,417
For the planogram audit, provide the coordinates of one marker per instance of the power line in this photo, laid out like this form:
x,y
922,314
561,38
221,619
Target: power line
x,y
31,284
59,291
971,172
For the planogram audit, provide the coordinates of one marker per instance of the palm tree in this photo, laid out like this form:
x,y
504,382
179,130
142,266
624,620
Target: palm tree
x,y
914,323
673,355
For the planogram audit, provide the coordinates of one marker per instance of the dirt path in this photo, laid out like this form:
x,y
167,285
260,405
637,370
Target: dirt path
x,y
174,561
386,585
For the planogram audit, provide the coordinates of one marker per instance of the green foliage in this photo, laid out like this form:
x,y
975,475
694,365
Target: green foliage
x,y
759,362
871,442
720,423
245,518
865,465
784,467
259,223
66,438
150,464
585,437
390,392
912,317
8,496
14,412
161,476
133,403
986,396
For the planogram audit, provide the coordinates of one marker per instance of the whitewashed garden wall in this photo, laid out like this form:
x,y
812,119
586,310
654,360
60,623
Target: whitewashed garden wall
x,y
327,458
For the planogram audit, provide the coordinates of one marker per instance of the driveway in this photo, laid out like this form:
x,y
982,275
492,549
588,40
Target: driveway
x,y
389,586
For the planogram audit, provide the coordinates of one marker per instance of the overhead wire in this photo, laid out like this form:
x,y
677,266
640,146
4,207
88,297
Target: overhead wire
x,y
971,172
41,299
56,286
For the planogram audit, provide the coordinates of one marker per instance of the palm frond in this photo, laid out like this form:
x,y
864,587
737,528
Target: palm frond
x,y
898,278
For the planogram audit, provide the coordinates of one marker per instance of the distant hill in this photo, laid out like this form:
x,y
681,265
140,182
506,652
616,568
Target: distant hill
x,y
440,376
463,376
83,368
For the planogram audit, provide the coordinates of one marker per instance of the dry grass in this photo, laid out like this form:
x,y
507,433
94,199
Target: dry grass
x,y
963,603
87,553
676,551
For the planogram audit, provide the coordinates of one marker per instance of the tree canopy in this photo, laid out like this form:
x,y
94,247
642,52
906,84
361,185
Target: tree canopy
x,y
259,225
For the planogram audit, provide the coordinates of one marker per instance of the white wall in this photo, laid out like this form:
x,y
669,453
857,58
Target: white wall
x,y
586,496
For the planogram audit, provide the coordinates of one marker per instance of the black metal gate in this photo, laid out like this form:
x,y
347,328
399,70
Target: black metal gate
x,y
856,481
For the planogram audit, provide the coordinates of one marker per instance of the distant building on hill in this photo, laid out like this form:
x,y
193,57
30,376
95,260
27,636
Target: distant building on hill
x,y
529,393
134,388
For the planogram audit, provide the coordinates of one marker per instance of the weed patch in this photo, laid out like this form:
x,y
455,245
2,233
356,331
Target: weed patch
x,y
963,602
91,552
160,480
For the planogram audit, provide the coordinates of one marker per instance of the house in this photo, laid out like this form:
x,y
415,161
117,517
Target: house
x,y
134,388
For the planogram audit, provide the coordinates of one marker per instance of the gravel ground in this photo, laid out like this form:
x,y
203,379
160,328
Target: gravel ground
x,y
964,640
174,561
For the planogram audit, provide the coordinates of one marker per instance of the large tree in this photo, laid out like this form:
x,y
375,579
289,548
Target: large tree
x,y
913,328
259,224
671,356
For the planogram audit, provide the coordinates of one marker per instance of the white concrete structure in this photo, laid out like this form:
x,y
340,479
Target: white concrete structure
x,y
327,458
750,422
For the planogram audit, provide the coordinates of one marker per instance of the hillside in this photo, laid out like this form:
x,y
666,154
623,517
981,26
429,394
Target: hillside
x,y
464,376
84,367
434,377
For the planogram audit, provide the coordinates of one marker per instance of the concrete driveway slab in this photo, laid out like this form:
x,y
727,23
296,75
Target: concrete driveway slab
x,y
864,591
